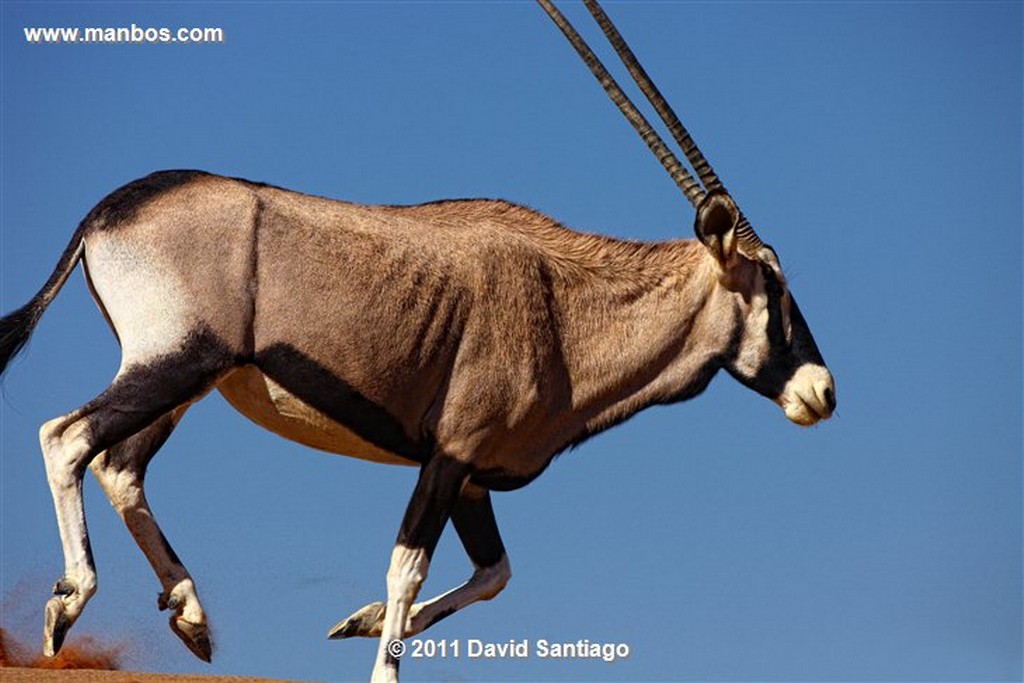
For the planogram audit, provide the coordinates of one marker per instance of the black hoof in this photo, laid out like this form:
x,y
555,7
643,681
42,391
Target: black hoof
x,y
195,636
365,623
55,628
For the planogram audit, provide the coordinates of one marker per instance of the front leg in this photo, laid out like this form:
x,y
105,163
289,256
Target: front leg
x,y
474,521
433,499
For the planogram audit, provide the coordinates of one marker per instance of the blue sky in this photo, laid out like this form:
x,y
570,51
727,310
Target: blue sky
x,y
877,146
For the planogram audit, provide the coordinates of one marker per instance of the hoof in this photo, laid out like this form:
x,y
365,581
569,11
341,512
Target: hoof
x,y
195,636
366,623
188,621
55,627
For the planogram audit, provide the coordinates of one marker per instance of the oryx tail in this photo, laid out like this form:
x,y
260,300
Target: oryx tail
x,y
16,328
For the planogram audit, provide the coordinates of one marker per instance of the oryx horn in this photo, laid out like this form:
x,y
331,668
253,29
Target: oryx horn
x,y
749,243
690,187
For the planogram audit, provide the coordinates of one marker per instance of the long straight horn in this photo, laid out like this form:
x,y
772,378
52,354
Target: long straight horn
x,y
690,187
748,240
682,136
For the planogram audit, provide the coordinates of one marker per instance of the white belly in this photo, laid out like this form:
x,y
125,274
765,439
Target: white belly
x,y
272,407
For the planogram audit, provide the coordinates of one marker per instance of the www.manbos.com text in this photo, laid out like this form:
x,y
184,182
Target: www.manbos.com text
x,y
122,35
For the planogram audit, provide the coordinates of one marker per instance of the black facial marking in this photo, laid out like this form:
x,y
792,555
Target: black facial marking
x,y
124,203
803,343
785,357
339,400
776,327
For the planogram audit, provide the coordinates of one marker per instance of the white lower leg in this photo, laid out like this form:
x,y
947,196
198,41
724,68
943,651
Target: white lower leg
x,y
485,583
63,453
125,492
406,574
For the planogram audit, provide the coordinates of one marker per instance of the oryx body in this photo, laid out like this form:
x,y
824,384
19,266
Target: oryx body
x,y
475,339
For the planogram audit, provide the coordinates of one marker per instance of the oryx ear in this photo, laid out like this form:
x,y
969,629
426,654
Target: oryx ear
x,y
715,225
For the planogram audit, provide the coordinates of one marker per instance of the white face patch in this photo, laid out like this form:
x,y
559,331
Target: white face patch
x,y
755,348
809,395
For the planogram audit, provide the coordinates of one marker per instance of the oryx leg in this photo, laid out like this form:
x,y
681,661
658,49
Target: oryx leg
x,y
474,521
139,395
121,472
436,493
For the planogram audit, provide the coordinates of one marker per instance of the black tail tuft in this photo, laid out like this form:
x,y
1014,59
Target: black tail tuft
x,y
15,330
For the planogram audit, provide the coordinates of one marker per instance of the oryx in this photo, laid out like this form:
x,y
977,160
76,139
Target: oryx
x,y
475,339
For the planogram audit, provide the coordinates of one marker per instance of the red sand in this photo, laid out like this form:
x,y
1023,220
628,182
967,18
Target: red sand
x,y
23,675
84,659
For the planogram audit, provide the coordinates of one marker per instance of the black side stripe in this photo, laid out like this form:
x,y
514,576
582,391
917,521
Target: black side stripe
x,y
339,400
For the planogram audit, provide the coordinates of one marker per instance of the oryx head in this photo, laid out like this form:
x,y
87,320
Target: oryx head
x,y
775,354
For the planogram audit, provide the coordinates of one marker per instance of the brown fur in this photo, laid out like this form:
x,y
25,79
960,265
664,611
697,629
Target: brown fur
x,y
485,326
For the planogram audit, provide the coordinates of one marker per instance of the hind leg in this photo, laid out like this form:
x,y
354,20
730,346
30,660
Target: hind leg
x,y
121,472
78,585
140,394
